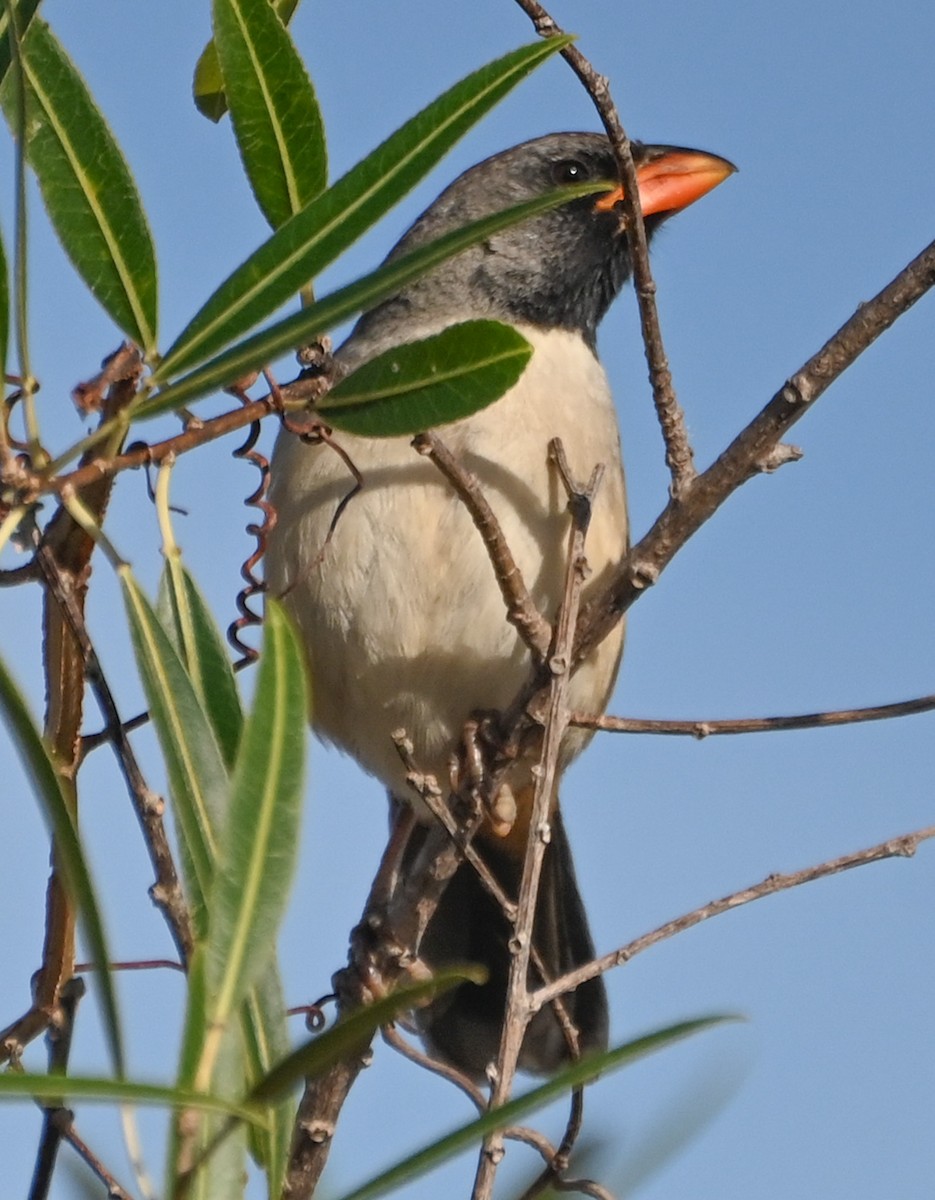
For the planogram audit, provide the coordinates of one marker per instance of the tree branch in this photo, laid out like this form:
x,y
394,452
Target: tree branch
x,y
898,847
518,1009
704,728
679,454
751,452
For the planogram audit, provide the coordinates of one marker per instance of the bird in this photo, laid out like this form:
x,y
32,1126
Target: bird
x,y
396,600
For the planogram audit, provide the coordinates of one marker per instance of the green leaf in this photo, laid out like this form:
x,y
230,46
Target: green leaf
x,y
86,185
19,1085
187,618
354,1032
47,785
313,238
4,309
424,384
216,1143
198,779
260,837
23,12
580,1073
351,1035
318,318
207,85
273,108
266,1041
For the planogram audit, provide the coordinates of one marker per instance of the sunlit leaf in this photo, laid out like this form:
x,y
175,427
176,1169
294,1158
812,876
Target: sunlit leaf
x,y
318,318
273,108
88,191
313,238
207,85
259,842
423,384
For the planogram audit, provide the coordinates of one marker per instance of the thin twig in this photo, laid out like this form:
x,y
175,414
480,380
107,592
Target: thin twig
x,y
521,611
679,455
149,807
898,847
56,1115
710,728
431,796
91,1160
297,394
518,1010
397,1042
517,1133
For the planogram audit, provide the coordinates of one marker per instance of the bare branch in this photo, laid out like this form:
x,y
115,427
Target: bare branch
x,y
898,847
679,455
518,1009
149,807
703,728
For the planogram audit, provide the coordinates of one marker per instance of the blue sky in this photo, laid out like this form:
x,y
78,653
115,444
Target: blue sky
x,y
811,589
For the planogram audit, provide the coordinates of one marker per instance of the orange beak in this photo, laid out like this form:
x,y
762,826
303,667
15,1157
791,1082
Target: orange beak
x,y
672,179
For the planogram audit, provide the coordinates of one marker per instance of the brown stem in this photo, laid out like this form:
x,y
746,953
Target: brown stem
x,y
679,454
521,612
898,847
518,1010
65,564
711,728
56,1115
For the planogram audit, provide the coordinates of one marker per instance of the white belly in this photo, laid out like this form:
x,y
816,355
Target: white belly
x,y
403,619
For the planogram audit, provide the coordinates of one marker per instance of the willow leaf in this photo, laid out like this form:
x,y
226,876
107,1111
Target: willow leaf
x,y
86,185
275,114
313,238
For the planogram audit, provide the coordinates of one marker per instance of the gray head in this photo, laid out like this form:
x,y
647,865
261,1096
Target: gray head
x,y
561,268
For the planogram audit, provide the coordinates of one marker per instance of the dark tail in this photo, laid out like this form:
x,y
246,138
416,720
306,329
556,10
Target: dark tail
x,y
463,1026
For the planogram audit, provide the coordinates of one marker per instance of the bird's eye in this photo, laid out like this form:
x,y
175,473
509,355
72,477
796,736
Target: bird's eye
x,y
570,170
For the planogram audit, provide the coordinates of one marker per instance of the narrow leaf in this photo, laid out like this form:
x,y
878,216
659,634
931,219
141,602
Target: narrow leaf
x,y
580,1073
45,782
217,1144
266,1041
260,837
19,1085
23,14
428,383
273,108
313,238
190,623
207,85
86,185
198,779
363,294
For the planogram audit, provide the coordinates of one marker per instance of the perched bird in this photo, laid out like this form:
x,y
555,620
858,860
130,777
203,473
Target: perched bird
x,y
398,604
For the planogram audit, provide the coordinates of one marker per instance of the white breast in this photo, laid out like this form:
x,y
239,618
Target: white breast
x,y
402,615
